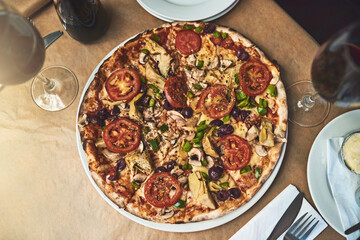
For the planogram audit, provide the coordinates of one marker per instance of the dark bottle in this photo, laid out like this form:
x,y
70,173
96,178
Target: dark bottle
x,y
84,20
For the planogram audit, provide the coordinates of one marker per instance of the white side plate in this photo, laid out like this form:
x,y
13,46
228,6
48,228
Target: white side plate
x,y
186,10
203,20
316,169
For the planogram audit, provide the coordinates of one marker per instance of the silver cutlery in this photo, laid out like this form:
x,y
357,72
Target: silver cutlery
x,y
300,232
353,229
50,38
288,217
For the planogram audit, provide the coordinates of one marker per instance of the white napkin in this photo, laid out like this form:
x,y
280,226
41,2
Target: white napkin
x,y
343,184
260,226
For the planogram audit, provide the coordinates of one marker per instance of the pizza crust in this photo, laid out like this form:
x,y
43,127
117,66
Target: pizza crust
x,y
121,192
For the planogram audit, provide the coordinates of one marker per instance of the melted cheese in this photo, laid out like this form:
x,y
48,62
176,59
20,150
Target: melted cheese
x,y
112,103
204,117
226,54
227,77
207,53
240,129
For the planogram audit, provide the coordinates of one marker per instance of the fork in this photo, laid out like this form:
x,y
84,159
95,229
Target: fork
x,y
300,232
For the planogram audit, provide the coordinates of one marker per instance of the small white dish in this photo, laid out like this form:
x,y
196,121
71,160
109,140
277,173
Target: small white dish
x,y
341,154
203,20
185,10
317,163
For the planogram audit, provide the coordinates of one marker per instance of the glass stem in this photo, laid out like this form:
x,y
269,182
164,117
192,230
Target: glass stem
x,y
309,101
50,85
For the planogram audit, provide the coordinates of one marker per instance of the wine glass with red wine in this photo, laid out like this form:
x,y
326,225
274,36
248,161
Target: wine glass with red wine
x,y
22,54
335,75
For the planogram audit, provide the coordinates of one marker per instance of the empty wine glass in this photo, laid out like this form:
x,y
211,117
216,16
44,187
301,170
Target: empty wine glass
x,y
335,75
22,54
54,88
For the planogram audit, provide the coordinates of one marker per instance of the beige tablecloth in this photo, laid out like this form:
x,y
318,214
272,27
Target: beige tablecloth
x,y
44,191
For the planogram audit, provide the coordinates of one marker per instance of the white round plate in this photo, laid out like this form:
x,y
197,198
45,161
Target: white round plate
x,y
184,227
186,10
316,168
203,20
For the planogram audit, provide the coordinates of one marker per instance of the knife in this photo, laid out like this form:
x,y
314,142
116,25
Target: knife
x,y
353,229
50,38
288,217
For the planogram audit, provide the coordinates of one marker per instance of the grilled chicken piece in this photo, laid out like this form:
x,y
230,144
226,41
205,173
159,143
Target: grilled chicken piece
x,y
252,133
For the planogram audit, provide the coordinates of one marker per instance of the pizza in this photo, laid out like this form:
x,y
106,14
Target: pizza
x,y
184,122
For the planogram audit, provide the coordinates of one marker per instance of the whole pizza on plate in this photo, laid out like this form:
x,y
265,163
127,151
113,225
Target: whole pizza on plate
x,y
183,123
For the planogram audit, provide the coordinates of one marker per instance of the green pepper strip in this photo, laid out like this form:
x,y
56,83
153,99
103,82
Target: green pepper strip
x,y
206,177
257,173
188,27
152,102
199,135
198,145
198,29
241,96
155,37
262,111
154,88
142,79
135,184
186,166
226,118
190,94
179,204
224,184
204,162
243,103
245,169
201,128
200,64
237,81
272,90
145,51
154,145
164,128
187,146
202,123
158,95
197,87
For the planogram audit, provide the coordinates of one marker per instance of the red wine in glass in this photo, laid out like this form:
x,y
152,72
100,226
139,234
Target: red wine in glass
x,y
335,75
84,20
336,68
22,49
22,54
